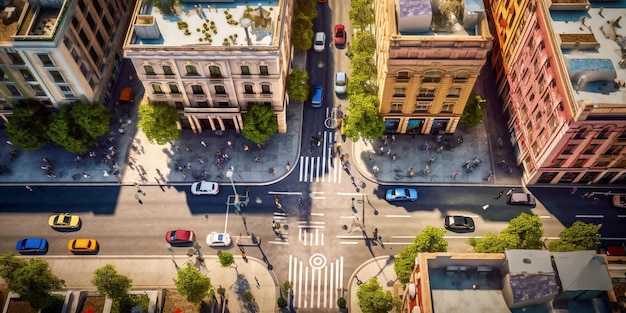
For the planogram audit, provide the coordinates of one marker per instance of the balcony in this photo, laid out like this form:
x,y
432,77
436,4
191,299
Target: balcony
x,y
249,95
266,95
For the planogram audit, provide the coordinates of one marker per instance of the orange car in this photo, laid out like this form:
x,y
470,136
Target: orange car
x,y
82,246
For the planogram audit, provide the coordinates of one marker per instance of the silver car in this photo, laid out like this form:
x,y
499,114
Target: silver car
x,y
205,188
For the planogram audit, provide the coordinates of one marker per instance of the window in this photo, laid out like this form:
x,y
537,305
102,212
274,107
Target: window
x,y
265,89
245,70
247,89
203,104
558,163
454,92
601,164
222,104
197,90
191,70
14,92
56,75
167,70
264,70
588,177
105,22
447,107
15,58
174,88
422,107
546,177
591,149
613,150
579,163
27,74
432,76
603,134
38,90
67,91
156,88
568,177
220,90
100,39
581,134
149,70
45,60
97,6
461,77
426,93
568,149
396,107
215,71
622,136
179,105
402,77
399,92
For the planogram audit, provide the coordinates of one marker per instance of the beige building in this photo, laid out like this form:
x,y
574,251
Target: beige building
x,y
60,51
429,56
212,60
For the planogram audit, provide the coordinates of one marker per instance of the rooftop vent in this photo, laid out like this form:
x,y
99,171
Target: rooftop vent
x,y
146,28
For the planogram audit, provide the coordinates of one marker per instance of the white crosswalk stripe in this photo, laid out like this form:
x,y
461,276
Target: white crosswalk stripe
x,y
311,233
316,283
325,168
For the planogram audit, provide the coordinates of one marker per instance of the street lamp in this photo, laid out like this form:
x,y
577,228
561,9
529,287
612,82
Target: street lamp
x,y
245,23
229,174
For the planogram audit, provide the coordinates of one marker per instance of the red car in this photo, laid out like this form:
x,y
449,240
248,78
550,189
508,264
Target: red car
x,y
340,35
180,236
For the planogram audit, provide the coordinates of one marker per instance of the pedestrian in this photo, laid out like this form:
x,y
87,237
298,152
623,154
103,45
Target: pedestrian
x,y
375,169
388,152
426,170
426,146
246,148
500,194
200,160
272,170
176,147
593,193
29,188
189,149
230,144
411,173
203,143
594,200
370,157
394,157
573,191
105,173
410,169
393,138
288,166
381,150
10,143
184,175
341,157
375,234
510,192
431,160
586,195
85,175
455,174
257,159
46,160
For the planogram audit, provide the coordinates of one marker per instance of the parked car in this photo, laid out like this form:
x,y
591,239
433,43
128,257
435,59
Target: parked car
x,y
32,246
318,95
205,188
82,245
401,194
320,42
340,35
458,222
64,221
341,81
180,236
619,201
520,198
218,239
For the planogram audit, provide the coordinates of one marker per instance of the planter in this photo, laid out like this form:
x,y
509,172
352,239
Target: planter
x,y
13,304
93,302
174,300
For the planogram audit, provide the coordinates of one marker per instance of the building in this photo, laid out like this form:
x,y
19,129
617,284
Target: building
x,y
428,56
212,60
60,51
514,281
562,81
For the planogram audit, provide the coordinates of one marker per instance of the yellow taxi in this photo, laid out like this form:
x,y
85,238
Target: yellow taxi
x,y
82,246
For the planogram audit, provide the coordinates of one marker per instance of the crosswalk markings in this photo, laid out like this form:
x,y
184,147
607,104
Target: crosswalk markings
x,y
317,282
324,168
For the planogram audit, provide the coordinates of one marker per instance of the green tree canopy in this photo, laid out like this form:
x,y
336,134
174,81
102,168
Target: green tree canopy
x,y
192,284
429,240
32,280
159,122
361,13
94,119
307,8
363,119
64,131
363,43
494,243
259,123
110,283
28,124
523,232
580,236
298,85
473,112
226,258
302,32
372,298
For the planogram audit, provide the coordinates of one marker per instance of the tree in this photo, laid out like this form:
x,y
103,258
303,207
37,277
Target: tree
x,y
226,258
64,131
110,283
94,119
580,236
493,243
192,284
429,240
528,228
307,8
259,123
372,298
363,119
159,122
361,13
473,112
298,85
302,32
32,280
28,124
363,43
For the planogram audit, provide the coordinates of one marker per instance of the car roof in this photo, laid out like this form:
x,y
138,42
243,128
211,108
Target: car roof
x,y
341,75
33,243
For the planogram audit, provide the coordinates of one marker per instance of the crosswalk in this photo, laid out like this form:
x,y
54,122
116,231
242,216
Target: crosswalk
x,y
309,233
325,168
316,282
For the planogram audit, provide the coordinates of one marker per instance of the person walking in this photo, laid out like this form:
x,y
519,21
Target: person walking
x,y
29,188
500,194
375,169
455,174
246,148
230,144
375,234
203,143
426,170
431,160
508,194
573,191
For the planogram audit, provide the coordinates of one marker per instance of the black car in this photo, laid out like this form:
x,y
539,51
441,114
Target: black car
x,y
457,222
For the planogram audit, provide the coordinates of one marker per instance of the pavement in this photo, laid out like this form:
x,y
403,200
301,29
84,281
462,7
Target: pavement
x,y
193,157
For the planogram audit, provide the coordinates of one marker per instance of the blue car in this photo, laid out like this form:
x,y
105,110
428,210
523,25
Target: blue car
x,y
318,95
32,246
401,194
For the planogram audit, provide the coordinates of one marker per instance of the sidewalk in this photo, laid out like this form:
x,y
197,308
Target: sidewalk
x,y
380,267
159,272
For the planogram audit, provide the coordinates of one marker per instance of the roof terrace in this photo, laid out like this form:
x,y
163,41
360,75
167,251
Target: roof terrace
x,y
216,24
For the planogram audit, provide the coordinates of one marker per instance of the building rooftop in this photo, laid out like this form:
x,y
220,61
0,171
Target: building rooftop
x,y
594,47
208,24
21,21
439,18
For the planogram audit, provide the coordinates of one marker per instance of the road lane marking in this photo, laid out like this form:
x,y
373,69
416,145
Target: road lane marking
x,y
279,242
588,216
348,242
321,198
318,214
398,216
286,193
621,215
310,226
349,194
544,216
307,222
